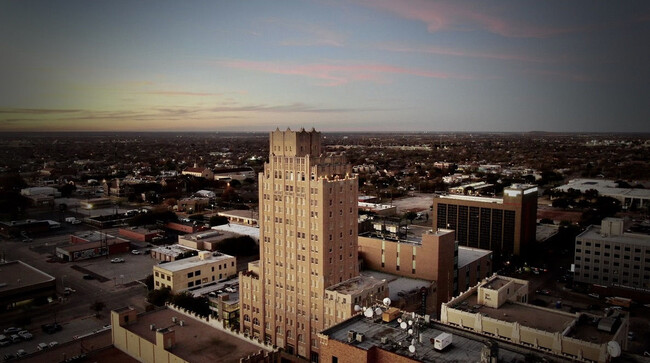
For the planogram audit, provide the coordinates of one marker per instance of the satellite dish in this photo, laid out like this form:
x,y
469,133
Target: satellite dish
x,y
403,325
368,313
410,322
399,320
412,341
357,308
378,311
386,301
614,349
412,348
410,331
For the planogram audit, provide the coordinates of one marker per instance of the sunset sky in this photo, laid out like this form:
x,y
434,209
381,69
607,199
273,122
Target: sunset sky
x,y
376,65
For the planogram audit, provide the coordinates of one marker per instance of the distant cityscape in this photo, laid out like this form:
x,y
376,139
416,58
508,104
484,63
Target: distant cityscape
x,y
296,245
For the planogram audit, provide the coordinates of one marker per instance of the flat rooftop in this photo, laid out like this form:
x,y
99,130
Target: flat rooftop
x,y
207,236
16,274
239,213
193,262
605,187
91,245
358,283
195,341
593,233
398,285
463,349
172,250
375,205
526,315
94,236
239,229
467,255
471,198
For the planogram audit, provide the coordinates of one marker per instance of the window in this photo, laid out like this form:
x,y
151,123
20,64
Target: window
x,y
190,274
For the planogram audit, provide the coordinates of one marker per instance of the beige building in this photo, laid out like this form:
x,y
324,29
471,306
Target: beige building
x,y
199,172
608,256
308,242
193,272
497,308
361,291
166,336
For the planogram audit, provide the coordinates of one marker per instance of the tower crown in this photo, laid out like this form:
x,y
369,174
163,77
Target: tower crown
x,y
295,143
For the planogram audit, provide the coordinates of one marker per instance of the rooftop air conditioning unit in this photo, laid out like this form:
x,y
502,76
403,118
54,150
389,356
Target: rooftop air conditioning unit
x,y
360,337
174,320
351,336
181,323
152,327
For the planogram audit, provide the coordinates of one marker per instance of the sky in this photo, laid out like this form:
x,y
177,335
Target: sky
x,y
357,65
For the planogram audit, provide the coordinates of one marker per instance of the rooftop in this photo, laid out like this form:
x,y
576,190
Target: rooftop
x,y
375,205
91,245
605,187
195,341
467,255
390,337
527,315
240,213
172,250
16,274
355,284
191,262
240,229
398,285
593,233
207,236
471,198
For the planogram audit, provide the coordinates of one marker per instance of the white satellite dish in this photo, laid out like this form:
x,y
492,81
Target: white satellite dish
x,y
386,301
412,348
399,320
403,325
357,308
378,311
368,313
410,322
410,331
412,341
613,348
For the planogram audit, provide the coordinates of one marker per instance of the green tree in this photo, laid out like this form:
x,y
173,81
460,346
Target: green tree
x,y
218,221
97,307
410,216
159,297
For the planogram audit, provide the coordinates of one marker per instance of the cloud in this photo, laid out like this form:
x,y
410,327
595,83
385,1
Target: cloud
x,y
463,53
440,16
307,34
181,93
38,111
336,74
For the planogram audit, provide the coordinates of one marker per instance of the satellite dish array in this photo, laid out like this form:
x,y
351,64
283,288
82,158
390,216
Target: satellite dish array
x,y
369,312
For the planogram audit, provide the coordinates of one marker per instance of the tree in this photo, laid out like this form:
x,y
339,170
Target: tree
x,y
97,306
218,221
410,215
159,297
149,282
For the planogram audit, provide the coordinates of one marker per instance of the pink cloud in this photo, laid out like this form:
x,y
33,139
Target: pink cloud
x,y
307,34
462,53
337,74
449,15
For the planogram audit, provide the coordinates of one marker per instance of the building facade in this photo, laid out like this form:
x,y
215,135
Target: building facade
x,y
308,242
608,256
503,225
194,272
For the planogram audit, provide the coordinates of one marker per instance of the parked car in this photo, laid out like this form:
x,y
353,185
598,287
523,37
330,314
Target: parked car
x,y
117,260
53,344
136,252
15,338
12,330
51,328
25,335
42,346
88,277
68,290
4,340
21,352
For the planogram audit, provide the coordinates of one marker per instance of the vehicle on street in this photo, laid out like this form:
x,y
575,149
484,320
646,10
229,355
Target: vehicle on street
x,y
42,346
544,292
117,260
136,252
53,344
20,353
51,328
88,277
15,338
25,335
12,330
4,340
68,290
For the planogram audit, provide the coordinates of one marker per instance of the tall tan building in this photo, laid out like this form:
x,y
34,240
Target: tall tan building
x,y
308,243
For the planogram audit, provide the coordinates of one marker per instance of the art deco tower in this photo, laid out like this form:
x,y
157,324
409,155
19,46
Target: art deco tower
x,y
308,242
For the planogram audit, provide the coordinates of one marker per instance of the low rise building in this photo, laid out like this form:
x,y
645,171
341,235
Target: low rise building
x,y
606,255
241,216
81,251
497,308
195,271
378,209
239,174
629,197
199,172
171,252
193,205
342,298
20,282
171,336
205,240
141,234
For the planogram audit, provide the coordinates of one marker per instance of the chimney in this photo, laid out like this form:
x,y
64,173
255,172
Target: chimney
x,y
166,338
